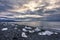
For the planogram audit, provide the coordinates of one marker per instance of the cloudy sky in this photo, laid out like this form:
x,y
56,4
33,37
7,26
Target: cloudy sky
x,y
42,9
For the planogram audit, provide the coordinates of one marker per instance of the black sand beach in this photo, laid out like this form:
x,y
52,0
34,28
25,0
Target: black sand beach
x,y
15,32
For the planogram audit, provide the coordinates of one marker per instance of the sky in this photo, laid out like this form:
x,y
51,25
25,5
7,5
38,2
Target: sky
x,y
42,9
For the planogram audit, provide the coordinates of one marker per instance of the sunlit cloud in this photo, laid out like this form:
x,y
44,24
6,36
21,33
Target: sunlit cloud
x,y
35,5
32,5
28,7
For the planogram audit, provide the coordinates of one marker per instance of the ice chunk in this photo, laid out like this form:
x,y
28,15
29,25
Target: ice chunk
x,y
24,35
31,31
45,33
28,27
3,29
48,32
55,33
24,30
37,29
41,33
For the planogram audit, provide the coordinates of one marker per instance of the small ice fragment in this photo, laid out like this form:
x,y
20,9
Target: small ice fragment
x,y
41,33
24,35
24,30
37,29
3,29
31,31
16,25
12,24
55,33
19,30
15,28
28,27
